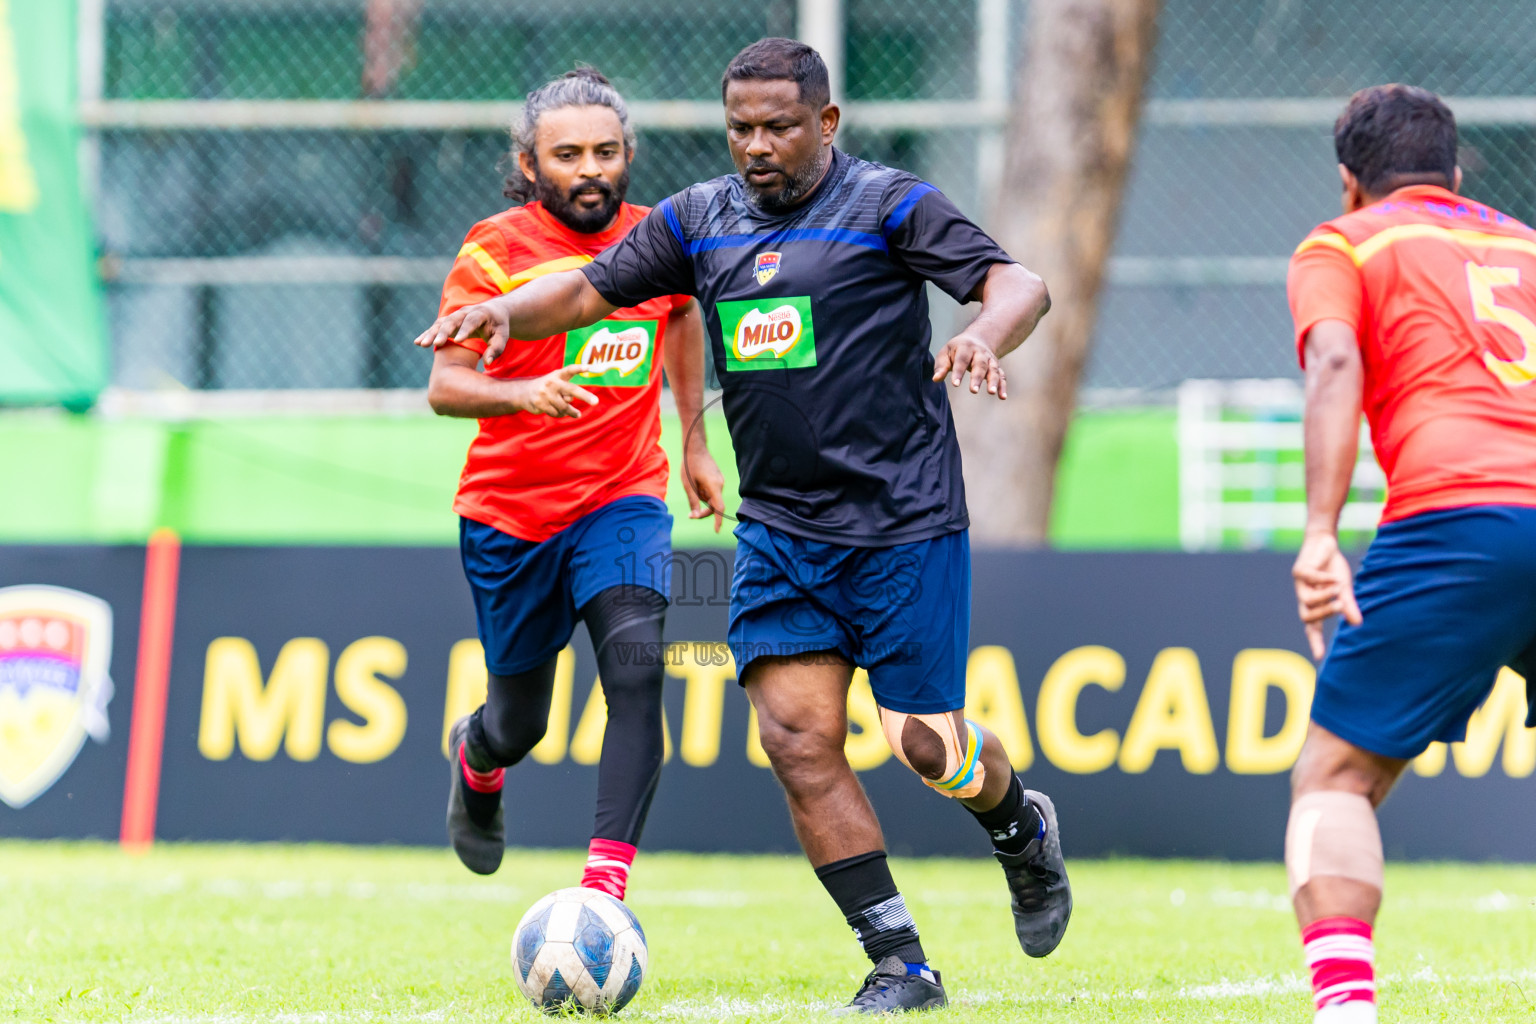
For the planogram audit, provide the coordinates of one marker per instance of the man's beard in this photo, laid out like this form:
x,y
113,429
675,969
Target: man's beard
x,y
582,219
796,186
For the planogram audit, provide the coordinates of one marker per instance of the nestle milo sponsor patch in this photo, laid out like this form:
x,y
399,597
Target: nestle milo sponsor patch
x,y
768,334
619,352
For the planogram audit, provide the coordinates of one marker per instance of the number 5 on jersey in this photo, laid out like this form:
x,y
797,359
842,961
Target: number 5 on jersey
x,y
1481,281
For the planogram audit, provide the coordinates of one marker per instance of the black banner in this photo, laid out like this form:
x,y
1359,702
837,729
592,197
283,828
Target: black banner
x,y
1159,698
67,782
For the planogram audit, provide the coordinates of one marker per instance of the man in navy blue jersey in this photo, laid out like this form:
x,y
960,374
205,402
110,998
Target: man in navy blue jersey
x,y
852,547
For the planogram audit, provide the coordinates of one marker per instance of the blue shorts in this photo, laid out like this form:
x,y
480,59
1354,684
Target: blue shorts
x,y
1448,598
527,593
903,612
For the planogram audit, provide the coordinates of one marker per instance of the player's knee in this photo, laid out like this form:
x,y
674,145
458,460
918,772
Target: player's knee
x,y
633,687
1333,766
921,749
799,751
946,757
509,739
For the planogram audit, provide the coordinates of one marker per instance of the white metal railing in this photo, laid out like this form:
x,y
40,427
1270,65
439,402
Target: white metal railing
x,y
989,110
348,269
1241,469
254,270
480,115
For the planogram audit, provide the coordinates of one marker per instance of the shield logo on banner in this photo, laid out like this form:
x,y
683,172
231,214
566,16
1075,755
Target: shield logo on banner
x,y
766,267
55,649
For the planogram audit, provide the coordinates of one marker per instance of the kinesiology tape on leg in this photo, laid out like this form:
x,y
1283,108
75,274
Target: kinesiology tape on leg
x,y
931,746
1333,834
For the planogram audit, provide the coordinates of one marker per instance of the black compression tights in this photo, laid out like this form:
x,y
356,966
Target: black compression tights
x,y
625,625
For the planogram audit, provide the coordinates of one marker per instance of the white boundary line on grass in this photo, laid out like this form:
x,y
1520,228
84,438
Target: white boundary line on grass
x,y
738,1006
1496,901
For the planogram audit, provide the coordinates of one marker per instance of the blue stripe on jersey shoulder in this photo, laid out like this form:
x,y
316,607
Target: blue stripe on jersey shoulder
x,y
672,222
850,237
904,207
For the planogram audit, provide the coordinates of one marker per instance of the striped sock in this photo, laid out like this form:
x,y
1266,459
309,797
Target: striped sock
x,y
866,893
482,790
608,862
1340,955
480,782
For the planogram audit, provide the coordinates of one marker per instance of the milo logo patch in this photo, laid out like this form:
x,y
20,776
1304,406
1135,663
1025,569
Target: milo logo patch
x,y
768,334
618,351
776,331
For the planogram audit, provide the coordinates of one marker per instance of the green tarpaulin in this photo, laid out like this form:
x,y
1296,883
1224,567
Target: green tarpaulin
x,y
52,339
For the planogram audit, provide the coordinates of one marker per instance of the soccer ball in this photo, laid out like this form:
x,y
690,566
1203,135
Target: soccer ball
x,y
579,948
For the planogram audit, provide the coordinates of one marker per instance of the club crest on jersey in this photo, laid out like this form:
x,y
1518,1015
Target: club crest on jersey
x,y
767,266
55,648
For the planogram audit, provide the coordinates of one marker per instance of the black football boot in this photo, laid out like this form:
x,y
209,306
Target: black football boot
x,y
1037,880
479,846
890,989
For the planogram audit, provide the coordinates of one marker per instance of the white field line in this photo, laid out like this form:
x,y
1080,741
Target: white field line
x,y
1263,900
723,1007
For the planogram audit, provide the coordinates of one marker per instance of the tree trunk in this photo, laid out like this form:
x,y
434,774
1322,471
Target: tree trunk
x,y
1070,133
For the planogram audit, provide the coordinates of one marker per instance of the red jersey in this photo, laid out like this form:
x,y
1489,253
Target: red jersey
x,y
1441,292
532,476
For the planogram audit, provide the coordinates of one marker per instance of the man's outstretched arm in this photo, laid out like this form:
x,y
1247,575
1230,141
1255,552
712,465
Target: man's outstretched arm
x,y
544,306
1013,300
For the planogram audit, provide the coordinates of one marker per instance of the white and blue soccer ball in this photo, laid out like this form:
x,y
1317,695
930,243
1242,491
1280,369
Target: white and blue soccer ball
x,y
579,948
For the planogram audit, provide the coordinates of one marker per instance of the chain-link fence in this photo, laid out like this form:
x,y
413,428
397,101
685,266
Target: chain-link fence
x,y
1235,162
282,183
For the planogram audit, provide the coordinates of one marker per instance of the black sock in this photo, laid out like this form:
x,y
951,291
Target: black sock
x,y
1013,824
476,747
481,806
867,895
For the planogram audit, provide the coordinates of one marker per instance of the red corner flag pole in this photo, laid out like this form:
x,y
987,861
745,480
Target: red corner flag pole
x,y
157,624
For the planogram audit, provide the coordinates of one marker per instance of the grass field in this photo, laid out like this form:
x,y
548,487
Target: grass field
x,y
317,934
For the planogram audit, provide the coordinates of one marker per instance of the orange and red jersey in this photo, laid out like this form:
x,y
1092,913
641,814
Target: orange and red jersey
x,y
531,476
1441,292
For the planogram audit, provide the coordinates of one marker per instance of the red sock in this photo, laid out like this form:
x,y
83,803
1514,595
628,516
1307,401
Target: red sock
x,y
608,862
480,782
1340,955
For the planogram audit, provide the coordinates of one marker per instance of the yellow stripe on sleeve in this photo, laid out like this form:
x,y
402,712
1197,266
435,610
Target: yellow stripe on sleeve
x,y
506,283
1338,242
560,265
491,268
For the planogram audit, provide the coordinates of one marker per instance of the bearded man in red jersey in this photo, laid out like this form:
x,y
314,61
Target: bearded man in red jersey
x,y
560,501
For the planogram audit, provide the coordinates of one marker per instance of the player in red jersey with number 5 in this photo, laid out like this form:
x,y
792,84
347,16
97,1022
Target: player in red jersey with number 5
x,y
1419,307
560,501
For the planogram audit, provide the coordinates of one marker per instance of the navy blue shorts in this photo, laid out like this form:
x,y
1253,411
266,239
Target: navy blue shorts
x,y
527,594
1447,598
903,612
